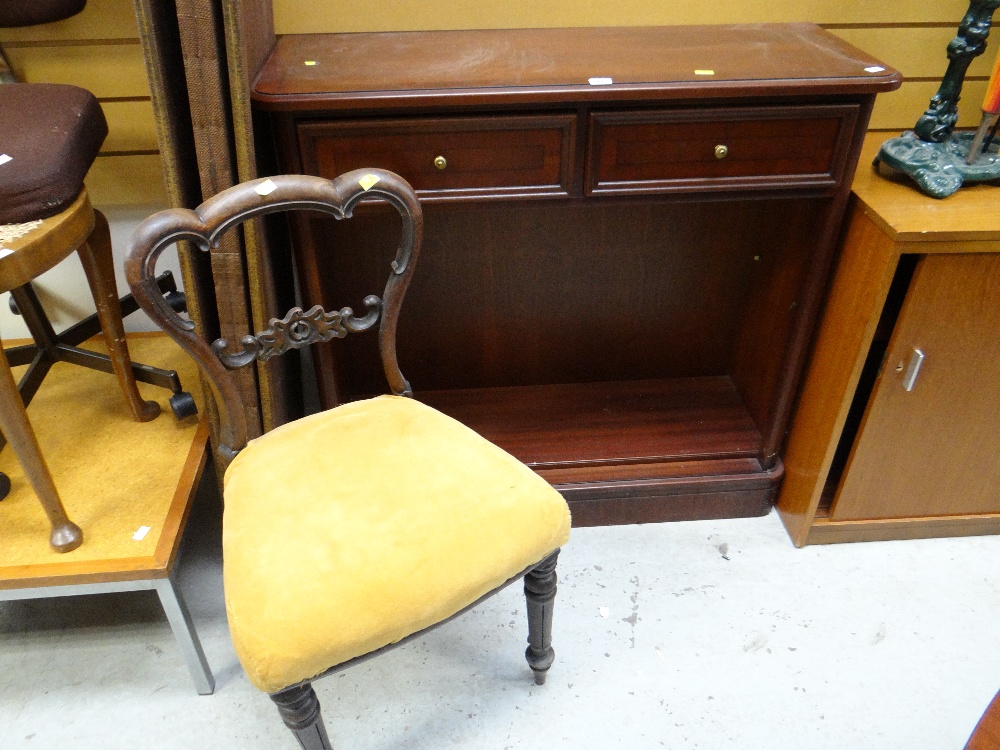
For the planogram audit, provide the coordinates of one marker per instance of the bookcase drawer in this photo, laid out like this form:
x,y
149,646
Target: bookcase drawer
x,y
451,158
652,151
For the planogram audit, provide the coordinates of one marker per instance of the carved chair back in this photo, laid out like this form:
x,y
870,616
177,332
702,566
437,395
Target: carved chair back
x,y
298,329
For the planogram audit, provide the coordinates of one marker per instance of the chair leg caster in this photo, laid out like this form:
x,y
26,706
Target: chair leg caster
x,y
182,405
177,300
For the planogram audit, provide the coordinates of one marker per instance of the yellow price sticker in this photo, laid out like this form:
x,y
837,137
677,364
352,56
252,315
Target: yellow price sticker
x,y
368,182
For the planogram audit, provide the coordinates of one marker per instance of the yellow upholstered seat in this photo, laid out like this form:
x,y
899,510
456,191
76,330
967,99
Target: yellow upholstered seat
x,y
351,529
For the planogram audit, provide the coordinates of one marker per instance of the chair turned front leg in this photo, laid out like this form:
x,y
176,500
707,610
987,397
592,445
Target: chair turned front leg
x,y
540,594
299,709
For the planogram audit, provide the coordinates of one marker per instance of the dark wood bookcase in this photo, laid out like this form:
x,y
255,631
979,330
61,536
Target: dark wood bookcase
x,y
628,234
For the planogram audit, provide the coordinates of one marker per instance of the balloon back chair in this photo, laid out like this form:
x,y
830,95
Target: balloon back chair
x,y
351,531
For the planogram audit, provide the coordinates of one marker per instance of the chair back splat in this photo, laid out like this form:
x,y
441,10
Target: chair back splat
x,y
298,329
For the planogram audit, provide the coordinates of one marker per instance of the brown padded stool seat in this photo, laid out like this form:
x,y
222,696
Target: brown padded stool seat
x,y
52,132
32,12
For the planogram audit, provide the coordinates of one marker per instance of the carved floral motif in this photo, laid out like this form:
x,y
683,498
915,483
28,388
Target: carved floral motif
x,y
297,330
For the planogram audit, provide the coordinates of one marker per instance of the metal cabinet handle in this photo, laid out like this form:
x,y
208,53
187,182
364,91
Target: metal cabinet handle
x,y
440,162
916,362
721,151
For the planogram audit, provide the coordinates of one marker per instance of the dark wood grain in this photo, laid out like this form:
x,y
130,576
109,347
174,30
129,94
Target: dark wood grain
x,y
660,507
523,65
223,359
635,451
621,422
663,150
567,292
483,156
637,255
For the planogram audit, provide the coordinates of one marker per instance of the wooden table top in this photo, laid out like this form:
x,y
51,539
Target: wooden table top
x,y
906,214
115,476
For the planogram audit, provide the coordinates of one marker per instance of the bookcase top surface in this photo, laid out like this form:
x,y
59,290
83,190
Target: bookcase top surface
x,y
576,63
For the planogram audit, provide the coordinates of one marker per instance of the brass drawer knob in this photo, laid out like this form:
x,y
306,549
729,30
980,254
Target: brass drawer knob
x,y
721,152
440,162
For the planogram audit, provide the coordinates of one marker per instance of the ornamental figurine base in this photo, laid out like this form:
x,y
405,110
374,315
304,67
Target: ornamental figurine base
x,y
933,155
939,169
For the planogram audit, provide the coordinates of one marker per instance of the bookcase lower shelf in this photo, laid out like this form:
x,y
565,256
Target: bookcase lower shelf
x,y
665,449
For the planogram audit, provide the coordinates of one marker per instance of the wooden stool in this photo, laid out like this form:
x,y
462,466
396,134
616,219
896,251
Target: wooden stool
x,y
26,251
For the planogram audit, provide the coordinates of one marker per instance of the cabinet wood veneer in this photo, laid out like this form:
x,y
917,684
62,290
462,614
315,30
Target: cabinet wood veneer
x,y
627,235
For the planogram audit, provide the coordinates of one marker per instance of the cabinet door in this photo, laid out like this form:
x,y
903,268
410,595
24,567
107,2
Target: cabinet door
x,y
934,450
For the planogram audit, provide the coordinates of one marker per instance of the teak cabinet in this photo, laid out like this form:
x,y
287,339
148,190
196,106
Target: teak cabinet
x,y
627,235
896,433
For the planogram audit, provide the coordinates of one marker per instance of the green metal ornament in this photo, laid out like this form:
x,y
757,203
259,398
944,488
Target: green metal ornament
x,y
935,157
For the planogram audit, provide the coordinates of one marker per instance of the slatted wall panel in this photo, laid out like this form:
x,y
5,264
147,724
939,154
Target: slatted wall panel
x,y
910,35
99,50
918,51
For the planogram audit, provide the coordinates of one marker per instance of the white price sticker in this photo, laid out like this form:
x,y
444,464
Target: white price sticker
x,y
266,187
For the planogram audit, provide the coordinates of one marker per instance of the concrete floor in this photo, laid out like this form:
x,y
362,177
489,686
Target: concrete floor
x,y
706,634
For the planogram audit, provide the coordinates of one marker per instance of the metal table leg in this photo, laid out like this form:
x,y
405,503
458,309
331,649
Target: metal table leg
x,y
180,622
171,601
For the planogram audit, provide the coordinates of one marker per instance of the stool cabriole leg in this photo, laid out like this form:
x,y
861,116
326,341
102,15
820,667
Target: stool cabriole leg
x,y
14,424
98,263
